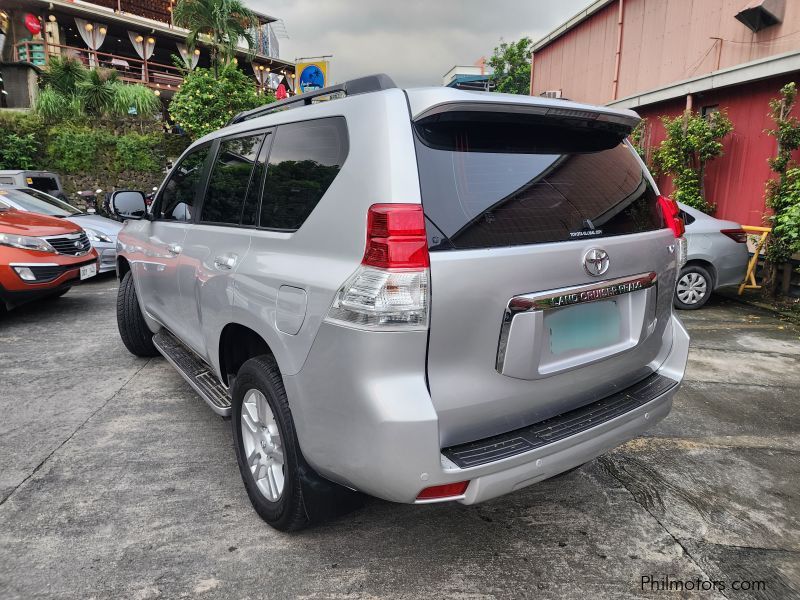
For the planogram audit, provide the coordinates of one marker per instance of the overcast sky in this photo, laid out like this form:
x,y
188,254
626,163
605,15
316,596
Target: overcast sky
x,y
414,41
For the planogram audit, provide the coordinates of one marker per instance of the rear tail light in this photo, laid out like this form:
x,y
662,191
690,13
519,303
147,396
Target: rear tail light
x,y
672,215
737,235
390,289
440,492
671,212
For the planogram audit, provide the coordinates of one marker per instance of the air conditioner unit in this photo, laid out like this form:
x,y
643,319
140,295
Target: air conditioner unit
x,y
551,94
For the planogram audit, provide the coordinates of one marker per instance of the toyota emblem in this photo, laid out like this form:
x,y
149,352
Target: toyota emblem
x,y
596,262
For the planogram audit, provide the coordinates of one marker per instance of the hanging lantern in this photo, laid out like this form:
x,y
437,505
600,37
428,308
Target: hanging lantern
x,y
151,40
33,24
103,30
88,27
139,39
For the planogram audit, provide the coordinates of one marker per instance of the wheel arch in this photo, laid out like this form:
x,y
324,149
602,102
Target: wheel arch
x,y
237,344
123,266
707,265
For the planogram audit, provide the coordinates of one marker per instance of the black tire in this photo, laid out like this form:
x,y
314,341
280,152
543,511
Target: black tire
x,y
691,280
133,330
288,512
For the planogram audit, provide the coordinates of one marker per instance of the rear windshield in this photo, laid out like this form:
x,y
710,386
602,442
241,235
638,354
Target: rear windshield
x,y
493,181
43,184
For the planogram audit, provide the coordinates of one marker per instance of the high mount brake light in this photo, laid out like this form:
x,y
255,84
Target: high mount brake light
x,y
671,212
396,237
390,289
737,235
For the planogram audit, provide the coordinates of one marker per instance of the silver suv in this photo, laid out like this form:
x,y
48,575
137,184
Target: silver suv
x,y
424,295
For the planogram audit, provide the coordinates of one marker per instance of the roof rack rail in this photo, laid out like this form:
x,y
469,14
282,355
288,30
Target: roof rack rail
x,y
362,85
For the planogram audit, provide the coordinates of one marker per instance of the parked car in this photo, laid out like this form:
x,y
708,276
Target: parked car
x,y
101,231
44,181
40,256
425,295
716,257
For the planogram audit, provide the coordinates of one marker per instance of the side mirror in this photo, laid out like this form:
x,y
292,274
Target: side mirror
x,y
128,204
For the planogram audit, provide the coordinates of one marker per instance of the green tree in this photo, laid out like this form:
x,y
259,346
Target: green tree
x,y
221,22
692,141
205,102
783,191
511,66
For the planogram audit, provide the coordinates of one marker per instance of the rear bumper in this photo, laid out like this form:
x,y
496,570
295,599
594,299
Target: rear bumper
x,y
381,436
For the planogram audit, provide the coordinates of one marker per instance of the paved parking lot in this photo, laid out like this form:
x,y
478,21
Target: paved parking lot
x,y
116,481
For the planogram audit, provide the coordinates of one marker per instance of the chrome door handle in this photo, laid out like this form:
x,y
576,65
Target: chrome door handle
x,y
174,249
226,262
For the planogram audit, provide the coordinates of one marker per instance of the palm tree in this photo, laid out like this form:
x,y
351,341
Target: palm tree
x,y
224,22
71,91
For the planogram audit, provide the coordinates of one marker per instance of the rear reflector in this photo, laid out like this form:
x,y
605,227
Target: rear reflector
x,y
737,235
396,237
671,212
448,490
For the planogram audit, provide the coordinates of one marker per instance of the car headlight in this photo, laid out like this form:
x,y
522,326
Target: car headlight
x,y
26,242
96,236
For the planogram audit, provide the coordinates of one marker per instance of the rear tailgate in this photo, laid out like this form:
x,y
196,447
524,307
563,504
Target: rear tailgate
x,y
551,267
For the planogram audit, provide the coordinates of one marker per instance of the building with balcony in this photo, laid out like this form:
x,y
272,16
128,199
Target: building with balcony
x,y
660,58
135,37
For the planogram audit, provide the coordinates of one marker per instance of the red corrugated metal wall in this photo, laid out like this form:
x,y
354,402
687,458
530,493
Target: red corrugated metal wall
x,y
735,181
663,41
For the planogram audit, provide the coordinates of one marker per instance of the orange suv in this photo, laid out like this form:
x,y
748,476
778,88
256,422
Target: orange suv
x,y
40,256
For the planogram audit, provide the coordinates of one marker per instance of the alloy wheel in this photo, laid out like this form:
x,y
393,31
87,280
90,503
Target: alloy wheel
x,y
263,448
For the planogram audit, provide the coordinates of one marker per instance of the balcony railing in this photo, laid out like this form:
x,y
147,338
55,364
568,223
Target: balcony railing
x,y
131,70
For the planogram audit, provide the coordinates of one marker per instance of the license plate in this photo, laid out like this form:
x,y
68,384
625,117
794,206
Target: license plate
x,y
584,327
88,271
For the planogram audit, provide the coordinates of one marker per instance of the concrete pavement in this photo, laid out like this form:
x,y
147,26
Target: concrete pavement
x,y
116,481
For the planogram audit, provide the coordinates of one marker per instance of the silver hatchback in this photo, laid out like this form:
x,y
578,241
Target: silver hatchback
x,y
425,295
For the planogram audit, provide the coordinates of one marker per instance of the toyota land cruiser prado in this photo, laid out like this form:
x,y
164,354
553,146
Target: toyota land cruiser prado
x,y
424,295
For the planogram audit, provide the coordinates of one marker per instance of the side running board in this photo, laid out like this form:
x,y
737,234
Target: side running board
x,y
194,371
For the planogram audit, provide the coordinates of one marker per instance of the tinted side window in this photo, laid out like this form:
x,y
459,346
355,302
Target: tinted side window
x,y
304,160
178,194
230,176
251,201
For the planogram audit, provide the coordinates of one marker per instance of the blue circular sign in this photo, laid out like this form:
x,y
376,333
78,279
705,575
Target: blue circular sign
x,y
311,78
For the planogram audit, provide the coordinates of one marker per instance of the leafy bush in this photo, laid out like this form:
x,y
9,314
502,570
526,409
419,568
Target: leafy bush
x,y
79,149
204,104
692,140
18,151
136,97
138,152
783,196
783,192
20,140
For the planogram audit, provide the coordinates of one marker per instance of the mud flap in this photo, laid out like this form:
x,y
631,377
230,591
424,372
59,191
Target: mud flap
x,y
324,500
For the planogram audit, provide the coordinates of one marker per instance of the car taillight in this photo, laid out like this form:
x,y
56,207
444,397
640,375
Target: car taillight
x,y
737,235
396,237
390,289
440,492
671,212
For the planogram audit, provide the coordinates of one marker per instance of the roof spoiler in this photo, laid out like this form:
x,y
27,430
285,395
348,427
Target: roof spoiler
x,y
623,120
362,85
